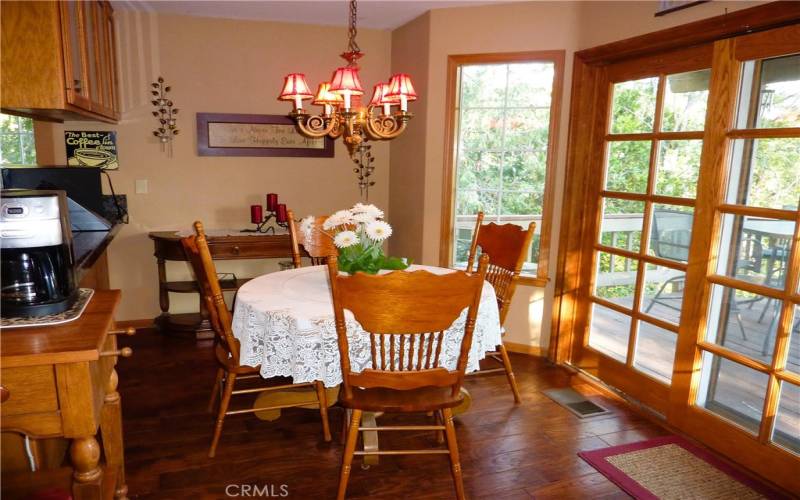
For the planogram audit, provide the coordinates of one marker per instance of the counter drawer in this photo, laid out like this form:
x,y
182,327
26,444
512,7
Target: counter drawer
x,y
31,389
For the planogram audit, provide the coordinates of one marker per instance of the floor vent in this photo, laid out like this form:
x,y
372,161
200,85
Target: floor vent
x,y
575,402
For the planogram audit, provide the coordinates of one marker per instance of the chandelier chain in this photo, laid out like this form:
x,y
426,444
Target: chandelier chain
x,y
352,46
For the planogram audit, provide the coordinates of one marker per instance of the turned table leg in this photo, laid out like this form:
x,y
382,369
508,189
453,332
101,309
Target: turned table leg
x,y
87,476
163,294
111,427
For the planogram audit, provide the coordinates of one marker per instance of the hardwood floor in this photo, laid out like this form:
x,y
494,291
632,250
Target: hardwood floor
x,y
508,452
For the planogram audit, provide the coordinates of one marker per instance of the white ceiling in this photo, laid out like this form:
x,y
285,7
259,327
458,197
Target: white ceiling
x,y
375,14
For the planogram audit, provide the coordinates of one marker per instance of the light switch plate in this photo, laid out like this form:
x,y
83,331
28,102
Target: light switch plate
x,y
141,186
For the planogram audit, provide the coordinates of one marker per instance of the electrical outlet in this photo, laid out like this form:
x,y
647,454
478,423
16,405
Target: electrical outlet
x,y
141,186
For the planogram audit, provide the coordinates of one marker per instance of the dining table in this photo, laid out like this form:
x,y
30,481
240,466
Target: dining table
x,y
285,325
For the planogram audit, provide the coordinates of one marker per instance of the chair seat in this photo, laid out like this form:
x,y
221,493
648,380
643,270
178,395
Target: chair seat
x,y
393,400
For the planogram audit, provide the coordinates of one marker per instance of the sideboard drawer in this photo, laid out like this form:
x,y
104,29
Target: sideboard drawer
x,y
247,249
31,389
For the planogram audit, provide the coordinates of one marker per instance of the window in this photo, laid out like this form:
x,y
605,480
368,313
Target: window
x,y
17,147
503,112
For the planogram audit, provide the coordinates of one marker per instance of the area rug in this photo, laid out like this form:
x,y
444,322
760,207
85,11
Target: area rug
x,y
670,467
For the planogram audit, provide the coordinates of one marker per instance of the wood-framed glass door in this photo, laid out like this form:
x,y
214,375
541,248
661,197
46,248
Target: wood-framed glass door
x,y
644,203
737,368
687,261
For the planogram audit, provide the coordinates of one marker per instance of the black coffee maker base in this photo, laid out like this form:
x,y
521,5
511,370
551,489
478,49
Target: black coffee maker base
x,y
22,311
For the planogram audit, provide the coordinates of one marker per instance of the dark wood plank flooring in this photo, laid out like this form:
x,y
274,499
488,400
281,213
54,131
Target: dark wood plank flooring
x,y
508,451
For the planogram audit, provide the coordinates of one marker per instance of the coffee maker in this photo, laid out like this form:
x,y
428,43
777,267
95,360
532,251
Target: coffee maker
x,y
38,273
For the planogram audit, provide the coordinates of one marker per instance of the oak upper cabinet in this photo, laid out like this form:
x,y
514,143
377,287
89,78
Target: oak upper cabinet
x,y
59,60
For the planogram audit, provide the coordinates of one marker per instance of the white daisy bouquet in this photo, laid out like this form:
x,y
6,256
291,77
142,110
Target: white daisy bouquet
x,y
358,233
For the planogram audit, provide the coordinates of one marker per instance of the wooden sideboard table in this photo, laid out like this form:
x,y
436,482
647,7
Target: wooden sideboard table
x,y
60,381
224,245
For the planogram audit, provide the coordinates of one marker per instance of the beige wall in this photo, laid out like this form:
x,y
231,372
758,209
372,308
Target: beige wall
x,y
410,51
529,26
225,66
237,66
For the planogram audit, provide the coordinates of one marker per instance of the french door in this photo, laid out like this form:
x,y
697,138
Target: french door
x,y
688,269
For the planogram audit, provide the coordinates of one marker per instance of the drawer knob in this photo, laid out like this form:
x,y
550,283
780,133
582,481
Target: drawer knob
x,y
236,249
126,331
4,394
125,352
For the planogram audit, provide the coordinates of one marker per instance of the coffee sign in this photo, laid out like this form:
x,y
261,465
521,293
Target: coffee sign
x,y
91,149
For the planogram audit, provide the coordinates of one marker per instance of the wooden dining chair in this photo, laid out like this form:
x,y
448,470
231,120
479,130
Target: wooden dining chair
x,y
406,315
507,247
319,246
226,349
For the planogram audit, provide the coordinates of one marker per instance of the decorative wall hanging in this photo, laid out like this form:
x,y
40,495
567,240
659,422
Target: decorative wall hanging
x,y
90,148
343,114
165,113
220,134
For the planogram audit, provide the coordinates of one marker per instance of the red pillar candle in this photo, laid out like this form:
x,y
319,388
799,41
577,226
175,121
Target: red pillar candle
x,y
281,215
272,202
256,214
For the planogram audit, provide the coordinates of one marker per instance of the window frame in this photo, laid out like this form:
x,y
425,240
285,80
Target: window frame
x,y
454,63
19,134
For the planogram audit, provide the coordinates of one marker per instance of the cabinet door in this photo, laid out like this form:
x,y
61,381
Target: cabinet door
x,y
111,66
92,44
76,73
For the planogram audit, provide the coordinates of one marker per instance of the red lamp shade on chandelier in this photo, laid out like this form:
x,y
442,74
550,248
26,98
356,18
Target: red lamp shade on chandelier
x,y
346,83
326,98
295,89
379,97
401,88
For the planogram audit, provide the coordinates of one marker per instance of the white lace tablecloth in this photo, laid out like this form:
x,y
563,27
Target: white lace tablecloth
x,y
284,322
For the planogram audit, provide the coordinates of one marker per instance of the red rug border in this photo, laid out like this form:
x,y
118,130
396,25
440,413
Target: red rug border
x,y
597,459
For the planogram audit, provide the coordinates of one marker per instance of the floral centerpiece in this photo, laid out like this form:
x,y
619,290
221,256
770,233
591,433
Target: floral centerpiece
x,y
358,233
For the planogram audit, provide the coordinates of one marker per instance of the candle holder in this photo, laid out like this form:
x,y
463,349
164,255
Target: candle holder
x,y
264,228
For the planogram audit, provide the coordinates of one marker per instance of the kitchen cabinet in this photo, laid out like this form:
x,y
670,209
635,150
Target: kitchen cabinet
x,y
59,60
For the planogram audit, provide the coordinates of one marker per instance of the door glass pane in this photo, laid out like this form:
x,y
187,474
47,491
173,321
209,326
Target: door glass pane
x,y
764,172
770,93
677,168
609,332
787,421
655,351
685,99
732,391
615,280
671,232
628,166
621,226
743,322
634,106
793,361
755,249
663,293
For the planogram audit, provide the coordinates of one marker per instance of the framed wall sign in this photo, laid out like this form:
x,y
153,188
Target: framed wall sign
x,y
220,134
667,6
91,148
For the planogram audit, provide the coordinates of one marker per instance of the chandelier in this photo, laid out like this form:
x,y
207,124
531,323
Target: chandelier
x,y
342,113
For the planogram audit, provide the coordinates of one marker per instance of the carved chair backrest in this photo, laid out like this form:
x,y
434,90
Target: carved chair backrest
x,y
318,246
507,246
199,256
407,315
